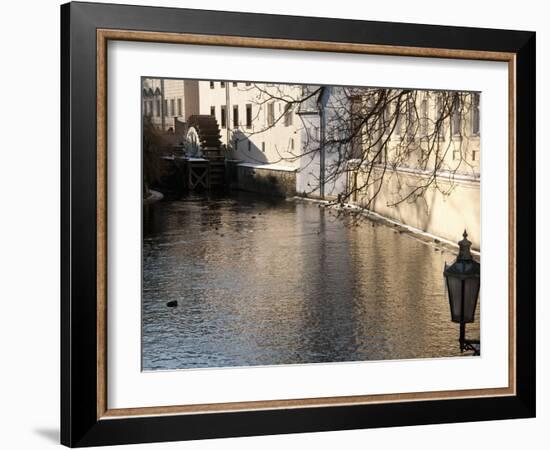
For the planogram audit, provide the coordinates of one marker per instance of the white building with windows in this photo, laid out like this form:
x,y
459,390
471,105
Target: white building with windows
x,y
257,124
427,143
166,100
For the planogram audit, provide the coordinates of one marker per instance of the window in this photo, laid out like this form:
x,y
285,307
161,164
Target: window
x,y
455,117
270,114
248,83
173,107
213,111
475,115
222,84
291,143
288,115
439,121
158,108
456,155
235,84
398,119
235,116
165,107
249,116
249,145
456,122
263,147
179,107
211,85
223,116
424,119
474,153
411,122
386,115
356,127
379,156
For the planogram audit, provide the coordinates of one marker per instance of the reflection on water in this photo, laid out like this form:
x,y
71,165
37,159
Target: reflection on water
x,y
263,283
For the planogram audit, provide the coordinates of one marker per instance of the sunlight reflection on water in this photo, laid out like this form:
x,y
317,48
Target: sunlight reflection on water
x,y
261,283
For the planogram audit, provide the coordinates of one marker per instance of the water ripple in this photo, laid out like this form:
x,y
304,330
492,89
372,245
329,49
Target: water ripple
x,y
264,283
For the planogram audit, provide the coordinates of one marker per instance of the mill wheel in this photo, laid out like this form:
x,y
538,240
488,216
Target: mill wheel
x,y
203,140
203,136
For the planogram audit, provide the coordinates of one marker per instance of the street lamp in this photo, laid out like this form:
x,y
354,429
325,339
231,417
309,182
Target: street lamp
x,y
462,279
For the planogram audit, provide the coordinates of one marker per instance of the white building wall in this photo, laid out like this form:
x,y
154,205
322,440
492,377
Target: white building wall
x,y
180,100
317,114
261,141
459,147
452,204
191,104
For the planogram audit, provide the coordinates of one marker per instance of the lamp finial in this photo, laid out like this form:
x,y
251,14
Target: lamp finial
x,y
464,245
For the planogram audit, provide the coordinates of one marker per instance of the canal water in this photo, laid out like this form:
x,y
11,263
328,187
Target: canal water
x,y
263,282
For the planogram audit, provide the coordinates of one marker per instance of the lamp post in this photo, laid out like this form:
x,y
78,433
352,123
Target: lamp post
x,y
462,280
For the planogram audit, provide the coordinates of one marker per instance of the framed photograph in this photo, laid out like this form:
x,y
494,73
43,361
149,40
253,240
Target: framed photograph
x,y
278,224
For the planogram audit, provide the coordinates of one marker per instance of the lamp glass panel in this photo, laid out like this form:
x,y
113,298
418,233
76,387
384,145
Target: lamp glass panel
x,y
471,291
454,286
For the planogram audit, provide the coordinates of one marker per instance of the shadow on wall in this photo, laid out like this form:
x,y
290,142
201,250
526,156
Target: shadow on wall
x,y
308,184
275,183
245,150
442,215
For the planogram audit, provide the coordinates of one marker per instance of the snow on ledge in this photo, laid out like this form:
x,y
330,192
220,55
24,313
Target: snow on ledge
x,y
277,167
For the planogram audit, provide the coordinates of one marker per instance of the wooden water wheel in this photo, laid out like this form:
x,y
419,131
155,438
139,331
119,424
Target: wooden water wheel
x,y
203,136
203,141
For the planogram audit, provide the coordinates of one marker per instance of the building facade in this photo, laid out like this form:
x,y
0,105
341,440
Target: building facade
x,y
424,162
166,101
256,122
259,127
